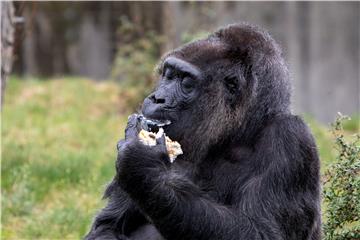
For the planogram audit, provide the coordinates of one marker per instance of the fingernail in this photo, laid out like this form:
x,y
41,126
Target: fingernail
x,y
159,133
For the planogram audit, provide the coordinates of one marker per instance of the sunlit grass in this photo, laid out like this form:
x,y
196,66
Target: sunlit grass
x,y
58,152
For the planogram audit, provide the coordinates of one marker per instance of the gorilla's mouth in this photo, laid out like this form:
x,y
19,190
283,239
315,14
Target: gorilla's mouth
x,y
152,125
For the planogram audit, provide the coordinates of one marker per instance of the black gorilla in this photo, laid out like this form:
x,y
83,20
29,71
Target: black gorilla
x,y
250,168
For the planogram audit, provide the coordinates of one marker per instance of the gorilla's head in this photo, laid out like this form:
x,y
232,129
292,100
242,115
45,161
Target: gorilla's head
x,y
222,88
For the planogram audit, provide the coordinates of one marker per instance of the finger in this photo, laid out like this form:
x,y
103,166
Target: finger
x,y
120,144
133,126
161,145
161,142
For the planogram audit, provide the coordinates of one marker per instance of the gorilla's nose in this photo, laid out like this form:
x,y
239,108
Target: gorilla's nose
x,y
156,99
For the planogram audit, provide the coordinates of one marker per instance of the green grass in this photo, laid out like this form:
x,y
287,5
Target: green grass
x,y
58,153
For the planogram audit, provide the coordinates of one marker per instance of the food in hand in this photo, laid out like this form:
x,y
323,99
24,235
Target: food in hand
x,y
149,138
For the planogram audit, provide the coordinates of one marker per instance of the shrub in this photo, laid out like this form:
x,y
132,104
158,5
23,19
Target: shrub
x,y
134,63
342,188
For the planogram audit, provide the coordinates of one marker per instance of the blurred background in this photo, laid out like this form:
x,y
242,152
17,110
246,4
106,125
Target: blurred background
x,y
79,69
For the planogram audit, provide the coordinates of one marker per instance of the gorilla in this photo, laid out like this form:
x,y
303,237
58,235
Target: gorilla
x,y
250,168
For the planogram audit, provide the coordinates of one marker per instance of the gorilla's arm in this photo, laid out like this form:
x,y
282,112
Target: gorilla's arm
x,y
176,206
119,218
283,199
179,209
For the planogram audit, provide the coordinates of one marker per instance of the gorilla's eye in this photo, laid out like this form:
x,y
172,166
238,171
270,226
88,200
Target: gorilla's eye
x,y
187,84
169,73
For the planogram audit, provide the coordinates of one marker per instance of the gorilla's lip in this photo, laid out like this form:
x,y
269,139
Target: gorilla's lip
x,y
150,124
158,122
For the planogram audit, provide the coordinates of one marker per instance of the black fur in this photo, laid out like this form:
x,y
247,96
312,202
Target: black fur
x,y
250,168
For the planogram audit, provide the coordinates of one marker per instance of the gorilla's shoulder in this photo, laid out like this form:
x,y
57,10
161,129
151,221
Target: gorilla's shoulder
x,y
291,128
283,127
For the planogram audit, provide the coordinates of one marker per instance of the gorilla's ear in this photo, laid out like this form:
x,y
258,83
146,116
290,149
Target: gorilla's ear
x,y
231,83
234,84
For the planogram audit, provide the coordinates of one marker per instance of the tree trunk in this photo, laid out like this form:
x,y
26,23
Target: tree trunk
x,y
7,41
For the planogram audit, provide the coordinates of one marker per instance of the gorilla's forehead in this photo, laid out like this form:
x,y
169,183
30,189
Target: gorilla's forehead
x,y
201,53
183,66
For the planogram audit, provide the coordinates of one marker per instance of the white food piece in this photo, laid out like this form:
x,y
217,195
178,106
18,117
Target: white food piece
x,y
149,138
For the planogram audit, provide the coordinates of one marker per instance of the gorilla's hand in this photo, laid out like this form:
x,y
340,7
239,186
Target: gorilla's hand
x,y
135,160
131,131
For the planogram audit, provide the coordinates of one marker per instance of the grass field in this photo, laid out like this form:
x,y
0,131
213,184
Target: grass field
x,y
58,152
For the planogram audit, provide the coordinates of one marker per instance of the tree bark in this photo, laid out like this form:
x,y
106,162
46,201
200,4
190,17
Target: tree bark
x,y
7,41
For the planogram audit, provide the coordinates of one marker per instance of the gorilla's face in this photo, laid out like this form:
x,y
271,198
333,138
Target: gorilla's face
x,y
213,87
174,98
197,84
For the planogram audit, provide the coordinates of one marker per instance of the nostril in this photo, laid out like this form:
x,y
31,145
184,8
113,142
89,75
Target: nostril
x,y
160,101
156,100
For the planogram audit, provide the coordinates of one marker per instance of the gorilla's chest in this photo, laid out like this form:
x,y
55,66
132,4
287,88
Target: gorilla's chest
x,y
218,181
146,232
220,178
